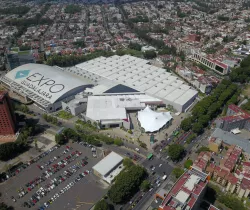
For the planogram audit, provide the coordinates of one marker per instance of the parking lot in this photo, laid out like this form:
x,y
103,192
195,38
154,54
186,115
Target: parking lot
x,y
63,172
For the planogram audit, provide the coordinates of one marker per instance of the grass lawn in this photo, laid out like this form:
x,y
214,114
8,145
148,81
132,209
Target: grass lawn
x,y
64,115
15,49
26,52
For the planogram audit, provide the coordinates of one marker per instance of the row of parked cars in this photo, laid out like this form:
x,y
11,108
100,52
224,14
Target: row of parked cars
x,y
63,190
20,167
52,160
52,170
55,182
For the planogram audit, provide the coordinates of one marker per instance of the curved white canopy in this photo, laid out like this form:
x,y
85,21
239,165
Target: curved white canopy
x,y
48,82
152,121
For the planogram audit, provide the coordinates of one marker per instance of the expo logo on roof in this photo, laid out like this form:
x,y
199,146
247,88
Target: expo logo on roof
x,y
41,81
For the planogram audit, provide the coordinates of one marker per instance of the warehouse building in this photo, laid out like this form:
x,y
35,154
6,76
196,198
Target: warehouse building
x,y
112,110
47,86
109,167
140,76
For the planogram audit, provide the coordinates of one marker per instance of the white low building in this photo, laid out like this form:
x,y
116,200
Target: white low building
x,y
152,121
109,167
111,110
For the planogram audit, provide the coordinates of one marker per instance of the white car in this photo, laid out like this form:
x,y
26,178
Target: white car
x,y
153,169
46,205
160,165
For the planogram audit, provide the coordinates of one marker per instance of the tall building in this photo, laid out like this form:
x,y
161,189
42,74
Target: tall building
x,y
7,116
15,59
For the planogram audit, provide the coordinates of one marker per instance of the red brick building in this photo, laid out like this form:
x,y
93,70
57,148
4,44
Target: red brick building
x,y
7,116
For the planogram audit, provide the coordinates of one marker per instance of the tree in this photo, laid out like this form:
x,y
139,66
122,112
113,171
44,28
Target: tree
x,y
79,43
145,185
177,172
135,46
186,124
70,134
3,206
203,149
60,139
127,183
11,149
101,205
118,142
197,128
188,164
175,151
127,162
72,9
149,54
191,137
203,120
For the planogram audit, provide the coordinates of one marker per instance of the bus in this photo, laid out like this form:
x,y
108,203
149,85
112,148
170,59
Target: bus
x,y
150,156
176,133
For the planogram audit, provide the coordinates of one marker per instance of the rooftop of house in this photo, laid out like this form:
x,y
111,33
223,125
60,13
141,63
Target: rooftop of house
x,y
186,190
202,160
245,183
232,179
231,157
237,109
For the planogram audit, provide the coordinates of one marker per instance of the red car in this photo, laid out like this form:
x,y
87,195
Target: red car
x,y
29,189
83,164
67,147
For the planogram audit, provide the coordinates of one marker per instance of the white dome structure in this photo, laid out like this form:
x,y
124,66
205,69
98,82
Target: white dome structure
x,y
153,121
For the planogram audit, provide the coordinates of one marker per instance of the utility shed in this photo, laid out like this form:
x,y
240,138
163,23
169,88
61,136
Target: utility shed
x,y
109,167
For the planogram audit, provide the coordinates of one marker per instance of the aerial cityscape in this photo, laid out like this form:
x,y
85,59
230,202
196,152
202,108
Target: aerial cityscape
x,y
121,105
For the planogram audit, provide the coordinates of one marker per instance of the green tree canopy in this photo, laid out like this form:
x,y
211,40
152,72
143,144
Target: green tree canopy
x,y
135,46
186,124
101,205
203,149
4,206
127,183
145,185
188,163
127,162
149,54
177,172
72,9
12,149
175,151
197,128
60,139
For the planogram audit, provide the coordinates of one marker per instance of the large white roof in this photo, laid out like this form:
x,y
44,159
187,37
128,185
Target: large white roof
x,y
113,107
49,83
152,121
108,163
138,74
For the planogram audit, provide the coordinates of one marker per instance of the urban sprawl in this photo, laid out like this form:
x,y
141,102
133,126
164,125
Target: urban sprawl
x,y
121,105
